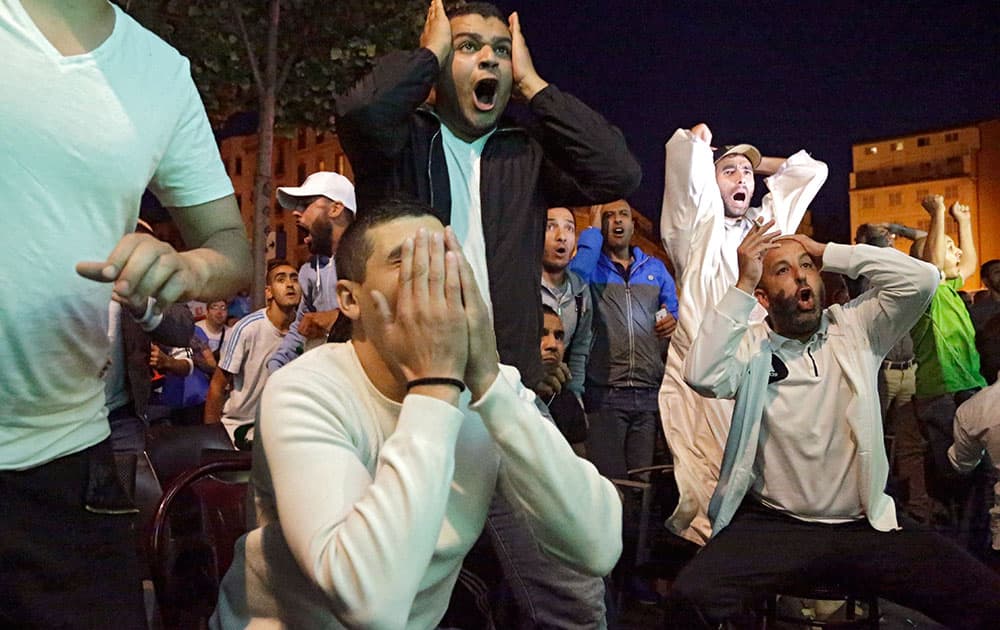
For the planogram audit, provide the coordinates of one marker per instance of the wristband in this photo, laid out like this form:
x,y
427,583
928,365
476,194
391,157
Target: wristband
x,y
436,380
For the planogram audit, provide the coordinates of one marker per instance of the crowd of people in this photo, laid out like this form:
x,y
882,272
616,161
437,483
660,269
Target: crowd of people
x,y
456,377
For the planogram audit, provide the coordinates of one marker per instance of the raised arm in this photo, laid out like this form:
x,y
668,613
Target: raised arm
x,y
935,245
968,264
690,192
793,187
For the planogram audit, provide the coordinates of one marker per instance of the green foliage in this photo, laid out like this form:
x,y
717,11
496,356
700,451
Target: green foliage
x,y
323,46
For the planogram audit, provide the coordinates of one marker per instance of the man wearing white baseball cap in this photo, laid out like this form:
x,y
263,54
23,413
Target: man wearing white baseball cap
x,y
324,205
706,213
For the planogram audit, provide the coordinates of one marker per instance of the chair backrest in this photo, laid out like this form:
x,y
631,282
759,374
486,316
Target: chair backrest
x,y
188,561
173,450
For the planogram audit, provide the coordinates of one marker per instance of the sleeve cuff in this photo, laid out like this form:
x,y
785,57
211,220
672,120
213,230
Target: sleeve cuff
x,y
498,398
151,319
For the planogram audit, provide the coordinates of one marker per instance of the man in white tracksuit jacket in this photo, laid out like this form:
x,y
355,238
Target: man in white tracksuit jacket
x,y
706,213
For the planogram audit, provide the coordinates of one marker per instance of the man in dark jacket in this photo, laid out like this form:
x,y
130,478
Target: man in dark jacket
x,y
491,181
427,124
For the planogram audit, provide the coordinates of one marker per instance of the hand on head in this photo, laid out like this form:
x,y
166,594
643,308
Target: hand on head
x,y
436,35
750,254
527,83
141,267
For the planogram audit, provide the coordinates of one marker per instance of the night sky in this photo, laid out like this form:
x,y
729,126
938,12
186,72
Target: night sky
x,y
781,75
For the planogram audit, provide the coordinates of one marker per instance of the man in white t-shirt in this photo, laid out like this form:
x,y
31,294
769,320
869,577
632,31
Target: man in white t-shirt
x,y
234,393
377,459
95,110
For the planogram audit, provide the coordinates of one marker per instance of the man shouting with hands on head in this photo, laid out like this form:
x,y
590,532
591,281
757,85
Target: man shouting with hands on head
x,y
379,457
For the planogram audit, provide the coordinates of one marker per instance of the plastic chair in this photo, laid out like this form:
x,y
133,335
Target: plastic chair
x,y
189,559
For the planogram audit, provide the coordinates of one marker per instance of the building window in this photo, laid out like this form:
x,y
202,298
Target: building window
x,y
895,199
951,137
300,172
897,146
872,150
320,137
921,193
278,211
951,192
301,138
321,164
279,166
238,168
867,202
923,141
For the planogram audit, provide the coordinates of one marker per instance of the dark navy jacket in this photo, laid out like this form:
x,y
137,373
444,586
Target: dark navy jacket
x,y
625,351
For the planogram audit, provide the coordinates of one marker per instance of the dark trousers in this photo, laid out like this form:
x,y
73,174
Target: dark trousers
x,y
67,546
763,551
623,425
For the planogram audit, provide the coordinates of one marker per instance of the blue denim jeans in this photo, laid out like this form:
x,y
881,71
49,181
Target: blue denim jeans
x,y
543,592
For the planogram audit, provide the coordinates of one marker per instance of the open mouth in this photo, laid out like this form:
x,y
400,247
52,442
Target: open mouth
x,y
485,93
561,251
618,231
740,197
806,298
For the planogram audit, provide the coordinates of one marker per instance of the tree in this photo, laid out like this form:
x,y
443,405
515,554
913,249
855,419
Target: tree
x,y
284,59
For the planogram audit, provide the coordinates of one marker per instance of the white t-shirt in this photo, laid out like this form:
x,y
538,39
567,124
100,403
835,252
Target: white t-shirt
x,y
80,140
244,355
464,160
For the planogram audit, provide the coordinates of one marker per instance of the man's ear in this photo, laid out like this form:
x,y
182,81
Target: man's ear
x,y
347,298
762,298
336,209
268,295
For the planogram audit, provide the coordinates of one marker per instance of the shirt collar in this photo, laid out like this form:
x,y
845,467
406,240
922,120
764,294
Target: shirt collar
x,y
780,341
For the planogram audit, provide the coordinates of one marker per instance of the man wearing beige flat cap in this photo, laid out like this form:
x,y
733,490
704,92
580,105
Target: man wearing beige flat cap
x,y
706,213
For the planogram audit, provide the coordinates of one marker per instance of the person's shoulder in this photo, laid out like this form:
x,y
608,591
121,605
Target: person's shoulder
x,y
331,366
149,42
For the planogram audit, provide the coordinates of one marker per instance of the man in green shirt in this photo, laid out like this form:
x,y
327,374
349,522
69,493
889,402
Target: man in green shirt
x,y
943,338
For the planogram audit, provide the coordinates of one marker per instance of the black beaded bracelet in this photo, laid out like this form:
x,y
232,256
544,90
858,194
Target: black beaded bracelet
x,y
436,380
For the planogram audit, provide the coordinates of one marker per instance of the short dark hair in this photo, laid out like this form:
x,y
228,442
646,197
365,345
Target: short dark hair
x,y
273,264
485,9
548,310
356,248
984,270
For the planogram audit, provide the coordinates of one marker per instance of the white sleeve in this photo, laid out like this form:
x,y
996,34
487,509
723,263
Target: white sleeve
x,y
365,541
691,197
902,287
967,450
574,511
715,366
792,189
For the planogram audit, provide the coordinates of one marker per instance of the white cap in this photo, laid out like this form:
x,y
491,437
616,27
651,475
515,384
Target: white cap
x,y
333,186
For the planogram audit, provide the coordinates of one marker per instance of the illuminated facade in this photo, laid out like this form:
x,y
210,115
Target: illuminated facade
x,y
892,175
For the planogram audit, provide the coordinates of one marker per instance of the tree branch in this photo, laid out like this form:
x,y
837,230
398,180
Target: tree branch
x,y
251,57
286,70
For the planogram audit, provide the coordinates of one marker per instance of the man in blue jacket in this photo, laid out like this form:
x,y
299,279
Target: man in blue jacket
x,y
635,305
